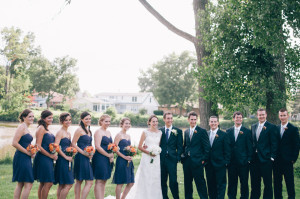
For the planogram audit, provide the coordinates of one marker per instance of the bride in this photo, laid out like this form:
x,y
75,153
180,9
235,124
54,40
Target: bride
x,y
147,179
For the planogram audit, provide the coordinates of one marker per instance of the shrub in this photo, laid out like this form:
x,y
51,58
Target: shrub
x,y
143,111
112,112
158,112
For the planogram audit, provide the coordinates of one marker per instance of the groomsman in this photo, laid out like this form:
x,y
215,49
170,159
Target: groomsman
x,y
195,155
288,151
241,153
171,146
219,158
265,144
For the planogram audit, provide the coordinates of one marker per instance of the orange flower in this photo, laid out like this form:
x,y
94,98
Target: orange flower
x,y
112,148
54,148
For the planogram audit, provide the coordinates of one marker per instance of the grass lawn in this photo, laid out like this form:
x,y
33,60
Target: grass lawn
x,y
7,187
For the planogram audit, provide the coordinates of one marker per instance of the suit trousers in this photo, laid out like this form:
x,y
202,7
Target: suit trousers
x,y
169,169
191,173
283,168
216,181
260,170
236,171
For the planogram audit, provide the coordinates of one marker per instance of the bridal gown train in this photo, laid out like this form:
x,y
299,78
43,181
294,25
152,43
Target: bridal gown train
x,y
147,179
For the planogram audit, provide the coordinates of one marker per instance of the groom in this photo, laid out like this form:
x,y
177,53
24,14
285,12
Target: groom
x,y
171,149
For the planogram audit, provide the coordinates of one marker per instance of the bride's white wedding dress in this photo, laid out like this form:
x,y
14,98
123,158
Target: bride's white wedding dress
x,y
147,178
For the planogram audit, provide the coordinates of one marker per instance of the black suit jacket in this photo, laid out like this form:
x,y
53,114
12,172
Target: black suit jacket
x,y
219,155
241,149
197,147
174,144
267,144
289,144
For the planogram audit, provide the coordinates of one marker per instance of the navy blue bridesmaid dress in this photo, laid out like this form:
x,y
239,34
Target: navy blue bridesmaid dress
x,y
101,164
43,168
82,166
123,174
62,173
22,165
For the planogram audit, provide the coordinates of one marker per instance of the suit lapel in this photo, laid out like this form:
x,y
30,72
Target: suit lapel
x,y
216,137
254,132
231,133
239,134
285,131
264,130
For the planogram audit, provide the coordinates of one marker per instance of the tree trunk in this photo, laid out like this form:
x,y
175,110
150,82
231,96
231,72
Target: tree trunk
x,y
198,5
6,79
204,106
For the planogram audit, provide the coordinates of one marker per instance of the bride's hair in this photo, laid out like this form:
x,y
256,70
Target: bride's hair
x,y
150,118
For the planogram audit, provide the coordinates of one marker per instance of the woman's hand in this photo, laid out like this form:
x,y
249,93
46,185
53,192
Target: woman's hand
x,y
151,154
53,156
128,158
70,159
111,155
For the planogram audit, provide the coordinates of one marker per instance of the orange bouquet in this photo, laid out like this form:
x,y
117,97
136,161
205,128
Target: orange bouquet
x,y
130,151
54,148
90,150
112,148
33,149
71,152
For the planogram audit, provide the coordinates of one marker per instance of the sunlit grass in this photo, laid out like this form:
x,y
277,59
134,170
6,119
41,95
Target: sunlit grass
x,y
7,187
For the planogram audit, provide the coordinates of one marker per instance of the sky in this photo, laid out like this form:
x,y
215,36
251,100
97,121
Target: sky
x,y
111,39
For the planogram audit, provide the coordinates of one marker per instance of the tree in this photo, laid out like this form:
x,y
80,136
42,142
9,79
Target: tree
x,y
207,108
16,52
252,62
171,80
58,76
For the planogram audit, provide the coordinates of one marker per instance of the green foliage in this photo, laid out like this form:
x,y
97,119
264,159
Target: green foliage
x,y
158,112
112,112
58,76
6,160
143,111
10,116
251,63
171,80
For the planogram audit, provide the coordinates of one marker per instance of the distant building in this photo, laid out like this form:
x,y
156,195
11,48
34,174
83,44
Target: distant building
x,y
123,102
39,100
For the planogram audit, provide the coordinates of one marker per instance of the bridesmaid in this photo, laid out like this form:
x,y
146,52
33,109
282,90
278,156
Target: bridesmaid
x,y
22,165
123,174
63,175
102,160
43,163
82,166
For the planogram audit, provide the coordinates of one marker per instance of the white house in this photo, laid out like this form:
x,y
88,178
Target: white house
x,y
91,104
132,102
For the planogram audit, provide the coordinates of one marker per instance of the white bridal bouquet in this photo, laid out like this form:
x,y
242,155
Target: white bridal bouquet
x,y
154,150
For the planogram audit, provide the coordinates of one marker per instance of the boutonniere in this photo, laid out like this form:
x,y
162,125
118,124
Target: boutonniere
x,y
285,128
195,131
241,132
174,131
264,128
217,135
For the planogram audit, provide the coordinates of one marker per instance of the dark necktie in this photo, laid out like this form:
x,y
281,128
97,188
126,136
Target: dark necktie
x,y
167,135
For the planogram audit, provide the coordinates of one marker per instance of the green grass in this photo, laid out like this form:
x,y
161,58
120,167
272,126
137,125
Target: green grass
x,y
7,187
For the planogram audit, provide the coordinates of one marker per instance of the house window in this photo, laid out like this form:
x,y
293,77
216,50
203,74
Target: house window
x,y
134,99
150,99
96,107
103,107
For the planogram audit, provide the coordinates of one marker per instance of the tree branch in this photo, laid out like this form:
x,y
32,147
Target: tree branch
x,y
170,26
